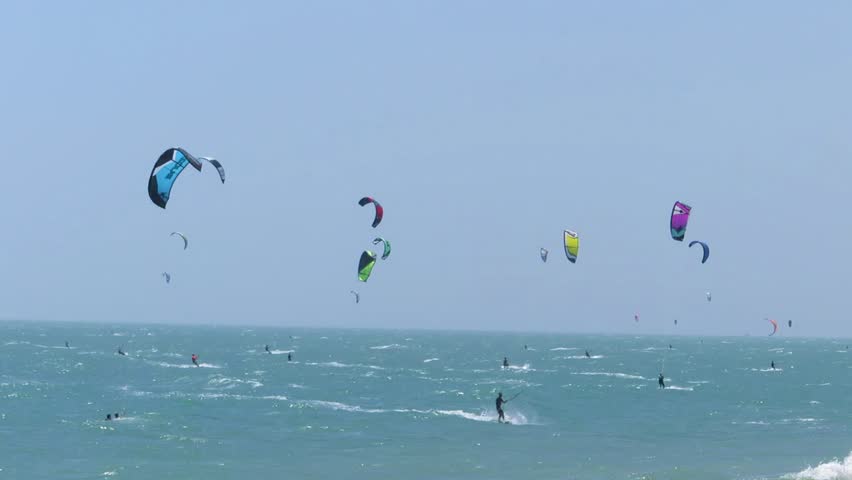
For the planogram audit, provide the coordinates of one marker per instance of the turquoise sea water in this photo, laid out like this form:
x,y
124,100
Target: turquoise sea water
x,y
417,405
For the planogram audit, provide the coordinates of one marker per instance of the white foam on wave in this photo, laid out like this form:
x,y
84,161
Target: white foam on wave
x,y
675,387
767,370
833,470
562,349
343,365
228,382
612,374
281,352
183,365
522,368
580,357
516,418
393,346
429,360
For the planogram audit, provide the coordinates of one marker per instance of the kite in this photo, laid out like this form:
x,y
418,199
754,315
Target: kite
x,y
166,171
680,216
167,277
357,297
218,166
185,241
387,246
380,212
544,253
774,326
704,246
572,245
365,265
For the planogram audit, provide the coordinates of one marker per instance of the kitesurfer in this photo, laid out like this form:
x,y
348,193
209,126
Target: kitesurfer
x,y
773,364
660,381
670,346
587,354
289,357
109,417
505,362
500,402
66,344
267,349
525,347
195,359
120,351
115,416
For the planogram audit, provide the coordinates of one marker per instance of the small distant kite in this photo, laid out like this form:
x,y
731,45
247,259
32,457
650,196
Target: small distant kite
x,y
380,212
183,237
167,277
365,265
543,254
789,324
704,246
709,296
357,297
680,217
572,245
387,246
675,322
166,171
774,326
636,317
218,166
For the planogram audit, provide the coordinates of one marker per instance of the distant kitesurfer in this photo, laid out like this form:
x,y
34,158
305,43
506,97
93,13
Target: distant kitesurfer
x,y
505,362
670,346
115,416
525,347
267,349
587,354
289,357
120,351
660,381
195,359
109,417
500,417
773,364
66,344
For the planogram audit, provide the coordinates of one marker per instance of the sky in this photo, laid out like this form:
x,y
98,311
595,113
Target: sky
x,y
484,128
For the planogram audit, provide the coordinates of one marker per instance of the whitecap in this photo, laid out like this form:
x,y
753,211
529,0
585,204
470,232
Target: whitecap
x,y
833,470
393,346
428,360
613,374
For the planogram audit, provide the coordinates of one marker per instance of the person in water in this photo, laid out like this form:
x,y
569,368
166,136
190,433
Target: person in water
x,y
66,344
661,381
120,351
505,362
525,347
773,364
670,346
267,349
289,357
587,354
195,359
109,417
500,402
115,416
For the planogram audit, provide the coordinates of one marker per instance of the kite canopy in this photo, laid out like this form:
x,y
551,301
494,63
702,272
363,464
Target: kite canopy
x,y
709,296
572,245
704,246
675,321
216,164
774,326
167,277
544,253
380,212
365,265
387,246
185,241
789,324
166,171
636,317
680,216
357,297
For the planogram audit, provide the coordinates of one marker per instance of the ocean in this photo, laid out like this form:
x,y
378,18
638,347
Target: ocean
x,y
368,404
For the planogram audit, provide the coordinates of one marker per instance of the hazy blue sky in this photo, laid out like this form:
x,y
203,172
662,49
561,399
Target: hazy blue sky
x,y
485,128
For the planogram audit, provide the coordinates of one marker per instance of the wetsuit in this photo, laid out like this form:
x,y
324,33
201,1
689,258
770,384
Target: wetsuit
x,y
661,383
500,402
267,349
587,354
505,362
195,359
289,357
773,365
